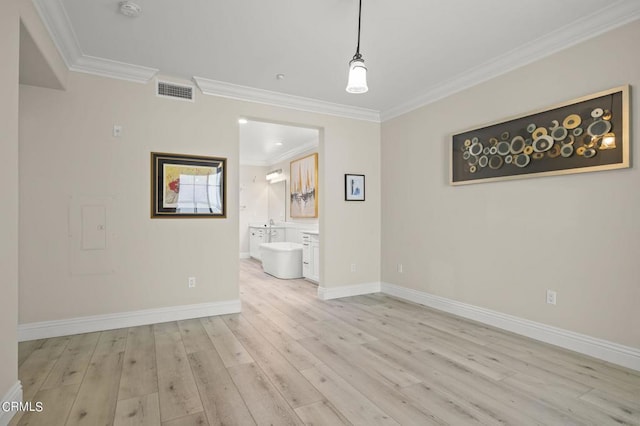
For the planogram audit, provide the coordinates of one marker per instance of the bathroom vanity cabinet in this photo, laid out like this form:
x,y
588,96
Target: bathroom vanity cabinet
x,y
311,256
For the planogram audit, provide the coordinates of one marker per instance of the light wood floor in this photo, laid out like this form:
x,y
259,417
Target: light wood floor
x,y
290,358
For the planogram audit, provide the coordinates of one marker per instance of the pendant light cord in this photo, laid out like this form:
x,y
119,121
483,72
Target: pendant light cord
x,y
357,55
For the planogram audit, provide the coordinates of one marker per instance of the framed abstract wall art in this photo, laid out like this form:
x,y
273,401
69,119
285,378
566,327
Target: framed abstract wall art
x,y
304,187
583,135
353,187
187,186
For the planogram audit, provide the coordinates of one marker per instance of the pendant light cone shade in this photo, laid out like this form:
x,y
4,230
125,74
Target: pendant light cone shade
x,y
357,82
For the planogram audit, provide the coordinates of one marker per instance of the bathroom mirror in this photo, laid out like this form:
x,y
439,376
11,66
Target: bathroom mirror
x,y
277,201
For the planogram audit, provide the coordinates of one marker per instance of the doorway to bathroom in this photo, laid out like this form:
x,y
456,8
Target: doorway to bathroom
x,y
278,199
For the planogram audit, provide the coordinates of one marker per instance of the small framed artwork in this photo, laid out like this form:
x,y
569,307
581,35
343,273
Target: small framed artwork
x,y
582,135
304,187
187,186
353,187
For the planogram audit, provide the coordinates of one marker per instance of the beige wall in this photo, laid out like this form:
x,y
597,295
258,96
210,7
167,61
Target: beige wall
x,y
67,150
253,201
501,245
9,51
40,62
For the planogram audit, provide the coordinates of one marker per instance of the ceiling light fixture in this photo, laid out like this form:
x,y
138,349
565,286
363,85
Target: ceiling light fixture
x,y
357,71
129,8
274,174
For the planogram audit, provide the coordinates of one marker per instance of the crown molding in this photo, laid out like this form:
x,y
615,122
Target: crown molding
x,y
616,15
619,13
293,152
245,93
282,157
113,69
57,22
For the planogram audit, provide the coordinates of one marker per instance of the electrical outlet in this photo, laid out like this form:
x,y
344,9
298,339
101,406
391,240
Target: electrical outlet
x,y
117,130
551,297
192,282
400,268
353,267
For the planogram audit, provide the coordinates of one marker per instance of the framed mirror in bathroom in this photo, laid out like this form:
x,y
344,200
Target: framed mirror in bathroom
x,y
277,201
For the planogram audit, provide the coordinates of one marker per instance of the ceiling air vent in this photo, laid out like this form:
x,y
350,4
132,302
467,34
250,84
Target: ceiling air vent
x,y
175,91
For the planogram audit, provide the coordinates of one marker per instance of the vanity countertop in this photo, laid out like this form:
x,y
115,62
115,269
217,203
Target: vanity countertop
x,y
311,231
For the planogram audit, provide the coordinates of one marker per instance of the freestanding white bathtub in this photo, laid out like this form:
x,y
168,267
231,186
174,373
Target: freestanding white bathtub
x,y
282,260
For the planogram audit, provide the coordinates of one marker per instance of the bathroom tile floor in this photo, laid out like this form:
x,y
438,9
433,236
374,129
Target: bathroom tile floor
x,y
290,358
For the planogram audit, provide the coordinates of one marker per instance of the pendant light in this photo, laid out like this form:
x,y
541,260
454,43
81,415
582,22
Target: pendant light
x,y
357,82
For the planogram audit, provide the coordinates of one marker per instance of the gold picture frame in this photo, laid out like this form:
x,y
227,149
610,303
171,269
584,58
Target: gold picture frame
x,y
587,134
187,186
303,187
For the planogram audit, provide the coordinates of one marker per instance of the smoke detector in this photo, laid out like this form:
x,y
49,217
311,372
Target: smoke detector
x,y
129,8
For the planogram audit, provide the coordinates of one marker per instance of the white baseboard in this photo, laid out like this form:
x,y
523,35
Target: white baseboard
x,y
625,356
245,255
327,293
14,394
66,327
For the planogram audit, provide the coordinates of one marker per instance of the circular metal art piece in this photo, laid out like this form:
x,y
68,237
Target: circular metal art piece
x,y
517,145
483,161
522,160
528,150
554,151
466,155
503,148
472,169
495,162
569,141
559,133
467,143
493,150
473,160
486,150
504,136
476,149
597,113
554,124
543,143
580,150
493,141
588,153
538,155
508,159
531,128
589,141
572,121
599,128
577,131
606,115
528,141
566,150
540,131
475,139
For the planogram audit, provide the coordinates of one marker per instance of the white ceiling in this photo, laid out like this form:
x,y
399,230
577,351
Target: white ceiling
x,y
417,51
266,144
